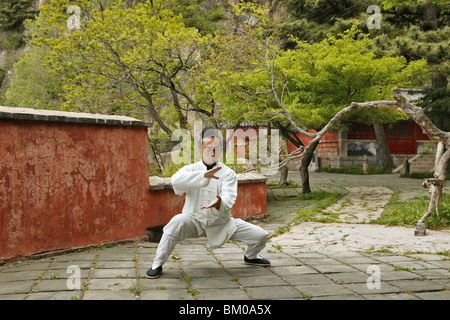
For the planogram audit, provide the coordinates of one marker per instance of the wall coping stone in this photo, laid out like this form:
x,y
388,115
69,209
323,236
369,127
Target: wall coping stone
x,y
68,117
159,183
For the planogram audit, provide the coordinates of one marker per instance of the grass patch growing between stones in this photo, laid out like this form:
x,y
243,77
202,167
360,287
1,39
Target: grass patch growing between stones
x,y
407,213
320,200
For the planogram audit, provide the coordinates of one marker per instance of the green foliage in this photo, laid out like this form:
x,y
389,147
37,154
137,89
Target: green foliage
x,y
14,12
33,86
135,61
407,213
436,105
312,21
398,3
200,14
312,82
329,75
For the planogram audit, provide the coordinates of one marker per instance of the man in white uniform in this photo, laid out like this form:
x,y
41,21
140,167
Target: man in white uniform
x,y
211,190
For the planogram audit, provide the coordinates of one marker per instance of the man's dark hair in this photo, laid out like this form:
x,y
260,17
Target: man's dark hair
x,y
209,132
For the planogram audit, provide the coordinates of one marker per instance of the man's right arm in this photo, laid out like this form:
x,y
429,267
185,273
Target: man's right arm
x,y
187,179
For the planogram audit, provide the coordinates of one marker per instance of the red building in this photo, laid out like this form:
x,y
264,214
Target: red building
x,y
340,149
402,137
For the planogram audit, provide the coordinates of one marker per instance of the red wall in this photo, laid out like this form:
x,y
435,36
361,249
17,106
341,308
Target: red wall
x,y
250,202
67,185
328,144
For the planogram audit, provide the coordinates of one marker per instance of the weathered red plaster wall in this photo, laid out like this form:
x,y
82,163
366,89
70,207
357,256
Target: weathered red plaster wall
x,y
251,201
69,185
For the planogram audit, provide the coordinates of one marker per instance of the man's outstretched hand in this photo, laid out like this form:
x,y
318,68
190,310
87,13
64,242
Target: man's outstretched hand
x,y
215,204
210,173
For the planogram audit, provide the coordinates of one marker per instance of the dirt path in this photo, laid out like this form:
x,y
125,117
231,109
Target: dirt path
x,y
361,205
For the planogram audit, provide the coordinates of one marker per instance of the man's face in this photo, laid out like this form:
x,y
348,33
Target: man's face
x,y
211,150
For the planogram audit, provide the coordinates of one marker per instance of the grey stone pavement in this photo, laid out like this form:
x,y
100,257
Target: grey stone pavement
x,y
196,273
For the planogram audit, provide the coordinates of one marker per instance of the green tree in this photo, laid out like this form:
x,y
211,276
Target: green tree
x,y
33,86
412,29
14,12
304,88
136,60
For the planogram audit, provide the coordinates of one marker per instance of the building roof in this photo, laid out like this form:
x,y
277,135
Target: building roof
x,y
412,94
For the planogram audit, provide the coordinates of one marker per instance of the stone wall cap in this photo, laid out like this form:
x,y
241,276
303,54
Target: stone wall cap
x,y
250,177
68,117
159,183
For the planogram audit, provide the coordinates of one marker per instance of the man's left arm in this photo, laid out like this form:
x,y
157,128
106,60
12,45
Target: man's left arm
x,y
228,193
225,201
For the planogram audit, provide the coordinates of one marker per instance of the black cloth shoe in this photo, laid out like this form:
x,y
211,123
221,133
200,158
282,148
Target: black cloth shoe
x,y
257,262
153,273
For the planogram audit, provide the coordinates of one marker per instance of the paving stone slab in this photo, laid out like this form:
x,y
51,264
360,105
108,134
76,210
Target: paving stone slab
x,y
114,273
13,296
108,295
51,285
428,257
318,290
16,287
444,282
64,265
289,270
339,297
362,288
38,265
107,255
445,264
433,274
307,279
414,265
398,275
298,254
248,271
55,295
222,294
390,296
18,276
283,261
111,284
436,295
262,281
163,284
273,292
213,283
358,260
365,266
77,256
198,264
417,285
393,258
208,273
114,264
349,277
332,268
177,294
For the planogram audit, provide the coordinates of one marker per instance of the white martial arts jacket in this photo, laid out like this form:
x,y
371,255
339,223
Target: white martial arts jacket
x,y
218,224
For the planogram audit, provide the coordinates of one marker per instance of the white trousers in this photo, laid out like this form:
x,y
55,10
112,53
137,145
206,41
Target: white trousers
x,y
253,236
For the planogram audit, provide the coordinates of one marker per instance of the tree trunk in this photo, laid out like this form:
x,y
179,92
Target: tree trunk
x,y
284,176
304,164
439,81
382,145
429,17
